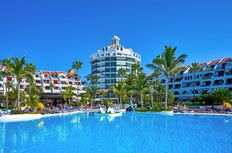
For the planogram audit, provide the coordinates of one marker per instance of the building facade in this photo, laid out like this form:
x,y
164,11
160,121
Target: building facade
x,y
106,62
212,75
49,81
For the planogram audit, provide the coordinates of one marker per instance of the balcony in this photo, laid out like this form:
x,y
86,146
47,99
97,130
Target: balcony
x,y
229,72
176,93
186,85
209,69
178,79
177,86
229,82
206,84
218,83
206,77
204,92
46,82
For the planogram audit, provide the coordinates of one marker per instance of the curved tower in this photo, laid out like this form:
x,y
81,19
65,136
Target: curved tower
x,y
106,62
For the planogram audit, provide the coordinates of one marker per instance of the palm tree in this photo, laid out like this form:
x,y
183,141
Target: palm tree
x,y
92,90
194,68
94,79
168,64
77,65
21,70
51,86
33,94
119,90
68,93
221,95
102,93
130,93
136,68
5,62
122,72
142,86
86,98
131,87
156,72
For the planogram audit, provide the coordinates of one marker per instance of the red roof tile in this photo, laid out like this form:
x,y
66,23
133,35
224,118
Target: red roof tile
x,y
224,60
202,64
53,73
46,72
213,62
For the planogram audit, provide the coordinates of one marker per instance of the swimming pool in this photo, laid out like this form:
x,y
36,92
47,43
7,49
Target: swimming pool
x,y
129,133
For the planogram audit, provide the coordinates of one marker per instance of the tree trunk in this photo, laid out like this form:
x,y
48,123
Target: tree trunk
x,y
166,94
7,100
77,96
18,95
131,102
141,96
91,104
120,101
152,104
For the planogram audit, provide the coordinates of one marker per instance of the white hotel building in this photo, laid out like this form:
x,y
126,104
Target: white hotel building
x,y
44,79
214,74
106,62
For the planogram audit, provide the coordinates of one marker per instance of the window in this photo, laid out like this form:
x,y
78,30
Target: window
x,y
55,81
46,81
113,58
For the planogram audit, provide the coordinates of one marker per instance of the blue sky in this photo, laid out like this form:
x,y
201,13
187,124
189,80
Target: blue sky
x,y
53,33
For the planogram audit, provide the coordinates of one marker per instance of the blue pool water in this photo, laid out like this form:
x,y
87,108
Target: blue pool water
x,y
130,133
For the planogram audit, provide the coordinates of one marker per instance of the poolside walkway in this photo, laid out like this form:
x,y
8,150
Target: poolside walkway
x,y
28,117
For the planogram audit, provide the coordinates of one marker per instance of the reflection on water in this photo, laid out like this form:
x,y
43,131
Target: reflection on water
x,y
131,132
40,124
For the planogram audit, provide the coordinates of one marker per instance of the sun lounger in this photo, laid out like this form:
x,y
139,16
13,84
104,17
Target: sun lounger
x,y
103,110
110,110
1,112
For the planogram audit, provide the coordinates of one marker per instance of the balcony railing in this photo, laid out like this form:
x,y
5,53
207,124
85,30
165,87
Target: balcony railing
x,y
208,69
217,84
218,75
205,85
206,77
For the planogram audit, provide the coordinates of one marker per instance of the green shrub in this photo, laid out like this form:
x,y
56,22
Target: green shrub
x,y
72,104
23,104
142,110
81,103
187,103
16,112
157,107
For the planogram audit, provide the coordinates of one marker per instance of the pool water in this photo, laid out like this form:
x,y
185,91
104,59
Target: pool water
x,y
129,133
